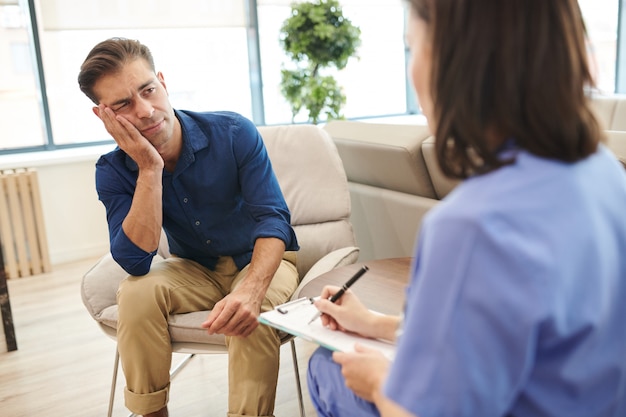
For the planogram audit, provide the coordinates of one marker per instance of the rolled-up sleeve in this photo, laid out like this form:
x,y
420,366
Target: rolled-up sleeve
x,y
115,189
261,191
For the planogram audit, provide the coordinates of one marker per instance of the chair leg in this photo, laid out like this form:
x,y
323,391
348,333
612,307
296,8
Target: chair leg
x,y
296,371
116,364
113,382
180,365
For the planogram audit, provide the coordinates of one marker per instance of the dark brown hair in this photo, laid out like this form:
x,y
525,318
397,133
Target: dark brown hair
x,y
108,57
516,68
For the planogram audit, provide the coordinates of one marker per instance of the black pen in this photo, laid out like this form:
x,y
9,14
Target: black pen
x,y
343,289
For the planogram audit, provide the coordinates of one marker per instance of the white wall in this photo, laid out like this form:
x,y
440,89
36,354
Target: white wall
x,y
74,219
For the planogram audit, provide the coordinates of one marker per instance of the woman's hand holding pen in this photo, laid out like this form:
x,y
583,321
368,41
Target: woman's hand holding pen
x,y
346,314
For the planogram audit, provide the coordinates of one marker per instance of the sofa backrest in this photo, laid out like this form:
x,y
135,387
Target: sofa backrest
x,y
382,155
611,111
401,157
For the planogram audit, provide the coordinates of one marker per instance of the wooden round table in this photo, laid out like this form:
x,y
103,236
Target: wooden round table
x,y
380,289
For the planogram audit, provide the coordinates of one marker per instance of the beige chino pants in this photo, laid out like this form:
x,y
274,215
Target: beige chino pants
x,y
178,285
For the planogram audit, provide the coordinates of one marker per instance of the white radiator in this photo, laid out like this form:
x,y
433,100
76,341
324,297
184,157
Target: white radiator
x,y
22,231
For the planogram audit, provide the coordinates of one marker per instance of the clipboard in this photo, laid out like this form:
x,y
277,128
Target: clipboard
x,y
293,318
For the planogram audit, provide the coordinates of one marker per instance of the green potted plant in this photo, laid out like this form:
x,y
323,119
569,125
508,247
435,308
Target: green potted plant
x,y
317,38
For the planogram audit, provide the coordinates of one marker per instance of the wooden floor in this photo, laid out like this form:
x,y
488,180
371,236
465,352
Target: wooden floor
x,y
64,362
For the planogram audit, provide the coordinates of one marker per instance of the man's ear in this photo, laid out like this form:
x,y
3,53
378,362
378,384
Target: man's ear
x,y
96,111
161,80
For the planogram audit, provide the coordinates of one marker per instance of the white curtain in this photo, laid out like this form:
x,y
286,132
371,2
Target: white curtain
x,y
140,14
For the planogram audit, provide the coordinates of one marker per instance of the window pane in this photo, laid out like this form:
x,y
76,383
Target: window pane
x,y
270,19
601,21
205,68
374,83
20,106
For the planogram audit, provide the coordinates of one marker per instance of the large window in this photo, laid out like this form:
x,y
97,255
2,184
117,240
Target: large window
x,y
199,45
209,52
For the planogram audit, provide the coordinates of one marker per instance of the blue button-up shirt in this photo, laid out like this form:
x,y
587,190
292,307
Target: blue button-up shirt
x,y
516,302
221,197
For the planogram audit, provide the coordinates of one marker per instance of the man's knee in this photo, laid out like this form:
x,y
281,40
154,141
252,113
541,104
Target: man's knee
x,y
263,341
142,297
282,287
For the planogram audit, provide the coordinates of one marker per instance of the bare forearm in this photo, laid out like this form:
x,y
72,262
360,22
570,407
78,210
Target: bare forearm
x,y
384,327
143,222
266,257
236,314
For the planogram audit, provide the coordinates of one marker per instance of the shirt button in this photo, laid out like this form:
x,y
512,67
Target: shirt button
x,y
197,222
185,200
208,241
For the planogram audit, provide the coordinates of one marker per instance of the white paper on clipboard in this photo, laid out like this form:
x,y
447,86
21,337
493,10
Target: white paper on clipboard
x,y
293,318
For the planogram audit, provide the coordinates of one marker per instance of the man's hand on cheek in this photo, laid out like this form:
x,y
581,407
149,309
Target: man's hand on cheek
x,y
118,126
129,138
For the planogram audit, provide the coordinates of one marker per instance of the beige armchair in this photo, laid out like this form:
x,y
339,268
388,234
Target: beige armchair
x,y
314,184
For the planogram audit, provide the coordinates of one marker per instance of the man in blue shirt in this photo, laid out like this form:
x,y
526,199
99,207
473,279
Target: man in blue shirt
x,y
206,180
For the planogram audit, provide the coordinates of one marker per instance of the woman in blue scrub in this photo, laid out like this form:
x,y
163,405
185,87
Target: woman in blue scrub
x,y
516,304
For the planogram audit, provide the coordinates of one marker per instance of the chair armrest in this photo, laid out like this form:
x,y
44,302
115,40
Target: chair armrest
x,y
99,286
332,260
100,283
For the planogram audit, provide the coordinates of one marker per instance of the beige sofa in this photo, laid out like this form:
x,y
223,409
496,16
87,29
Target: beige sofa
x,y
394,178
611,111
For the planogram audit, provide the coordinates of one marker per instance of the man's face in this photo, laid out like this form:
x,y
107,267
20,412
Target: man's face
x,y
139,95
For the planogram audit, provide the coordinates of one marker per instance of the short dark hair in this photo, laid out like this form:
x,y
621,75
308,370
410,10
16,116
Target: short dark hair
x,y
518,68
108,57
